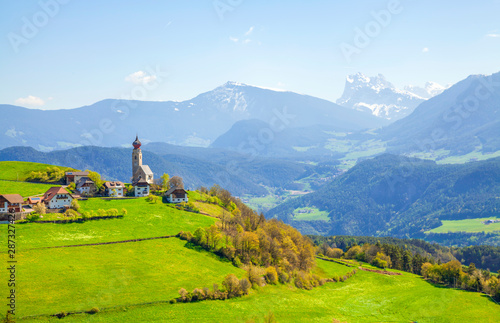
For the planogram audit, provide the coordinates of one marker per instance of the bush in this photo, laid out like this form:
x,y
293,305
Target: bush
x,y
94,310
124,211
74,205
71,214
173,301
40,208
32,217
232,285
245,285
271,275
237,262
284,278
112,212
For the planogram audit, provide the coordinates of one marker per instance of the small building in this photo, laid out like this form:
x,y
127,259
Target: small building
x,y
10,203
176,195
74,177
57,198
114,189
85,186
34,200
141,188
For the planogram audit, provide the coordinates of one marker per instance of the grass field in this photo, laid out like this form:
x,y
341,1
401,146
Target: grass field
x,y
110,275
144,220
469,225
25,189
366,297
19,171
310,214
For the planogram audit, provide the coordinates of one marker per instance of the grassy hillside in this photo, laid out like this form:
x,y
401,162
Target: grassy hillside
x,y
19,171
110,275
469,225
25,189
366,297
144,220
397,196
120,278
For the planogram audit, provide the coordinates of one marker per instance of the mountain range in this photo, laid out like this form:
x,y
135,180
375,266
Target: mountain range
x,y
375,95
196,122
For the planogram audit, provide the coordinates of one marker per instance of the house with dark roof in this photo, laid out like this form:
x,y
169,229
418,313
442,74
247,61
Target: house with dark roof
x,y
10,203
176,195
73,177
57,198
85,186
115,189
141,188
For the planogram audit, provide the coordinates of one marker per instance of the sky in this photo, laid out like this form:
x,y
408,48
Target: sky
x,y
62,54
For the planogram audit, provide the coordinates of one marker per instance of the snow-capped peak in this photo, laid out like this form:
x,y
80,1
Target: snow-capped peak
x,y
382,98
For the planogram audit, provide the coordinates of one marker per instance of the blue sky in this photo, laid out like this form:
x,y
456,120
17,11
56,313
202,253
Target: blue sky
x,y
79,52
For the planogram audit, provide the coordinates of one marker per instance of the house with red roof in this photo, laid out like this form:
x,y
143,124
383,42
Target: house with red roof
x,y
57,198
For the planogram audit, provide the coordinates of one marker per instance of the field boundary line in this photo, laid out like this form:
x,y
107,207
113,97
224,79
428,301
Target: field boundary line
x,y
105,243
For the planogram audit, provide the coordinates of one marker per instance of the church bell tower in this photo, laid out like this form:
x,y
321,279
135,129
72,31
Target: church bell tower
x,y
136,157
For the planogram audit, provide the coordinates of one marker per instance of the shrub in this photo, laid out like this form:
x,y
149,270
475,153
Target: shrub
x,y
245,285
284,278
255,275
32,217
232,285
70,213
101,212
271,275
94,310
74,205
40,208
112,212
183,293
124,211
173,301
237,262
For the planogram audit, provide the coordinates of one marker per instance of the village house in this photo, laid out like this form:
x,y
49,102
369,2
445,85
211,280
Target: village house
x,y
114,189
141,188
10,203
74,177
85,186
57,198
176,195
33,200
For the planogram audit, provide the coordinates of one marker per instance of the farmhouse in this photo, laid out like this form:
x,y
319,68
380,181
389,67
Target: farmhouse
x,y
141,188
57,198
74,177
85,186
10,203
176,195
114,189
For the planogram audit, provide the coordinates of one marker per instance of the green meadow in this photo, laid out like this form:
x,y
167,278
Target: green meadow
x,y
19,171
25,189
469,225
79,278
366,297
310,214
144,220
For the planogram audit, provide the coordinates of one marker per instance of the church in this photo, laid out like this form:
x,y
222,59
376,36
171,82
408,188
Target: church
x,y
142,176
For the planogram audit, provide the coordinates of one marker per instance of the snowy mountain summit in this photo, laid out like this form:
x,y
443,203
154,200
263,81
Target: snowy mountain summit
x,y
381,98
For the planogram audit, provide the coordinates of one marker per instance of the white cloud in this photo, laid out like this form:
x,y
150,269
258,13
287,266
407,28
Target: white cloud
x,y
493,35
246,41
234,39
249,31
425,50
140,77
30,101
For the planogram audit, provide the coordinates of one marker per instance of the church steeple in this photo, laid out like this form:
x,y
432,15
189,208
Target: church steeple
x,y
136,157
137,143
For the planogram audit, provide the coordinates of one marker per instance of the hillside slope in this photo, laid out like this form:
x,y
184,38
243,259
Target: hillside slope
x,y
400,196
